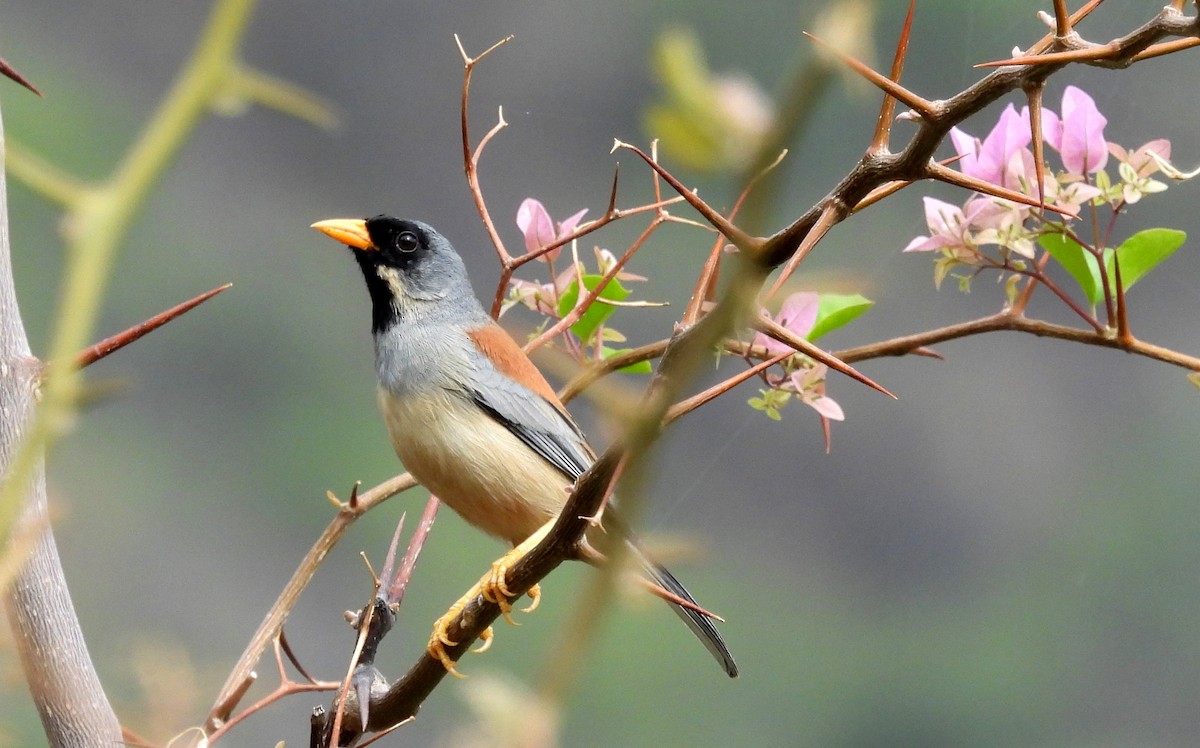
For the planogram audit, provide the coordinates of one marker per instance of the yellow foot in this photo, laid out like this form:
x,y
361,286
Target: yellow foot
x,y
493,588
439,639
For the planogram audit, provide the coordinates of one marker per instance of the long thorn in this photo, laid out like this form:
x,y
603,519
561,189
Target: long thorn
x,y
744,241
773,329
942,174
115,343
883,128
825,222
921,106
1033,93
11,72
396,588
286,647
1098,52
1164,48
389,562
683,407
612,196
1062,19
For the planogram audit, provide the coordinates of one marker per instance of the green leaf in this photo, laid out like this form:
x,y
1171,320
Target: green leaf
x,y
1142,252
641,367
1077,261
835,310
598,312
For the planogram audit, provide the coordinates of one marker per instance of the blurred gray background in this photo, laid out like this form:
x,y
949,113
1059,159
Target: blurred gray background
x,y
1007,556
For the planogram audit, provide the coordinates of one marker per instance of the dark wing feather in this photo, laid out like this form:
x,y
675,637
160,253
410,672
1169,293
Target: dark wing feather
x,y
533,420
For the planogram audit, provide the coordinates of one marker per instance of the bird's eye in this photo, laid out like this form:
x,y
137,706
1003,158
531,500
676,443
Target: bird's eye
x,y
407,242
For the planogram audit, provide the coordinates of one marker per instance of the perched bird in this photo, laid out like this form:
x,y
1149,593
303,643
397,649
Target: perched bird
x,y
469,414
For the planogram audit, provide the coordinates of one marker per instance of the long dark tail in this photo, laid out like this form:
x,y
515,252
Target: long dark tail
x,y
700,624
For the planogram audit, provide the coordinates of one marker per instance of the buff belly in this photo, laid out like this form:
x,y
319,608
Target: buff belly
x,y
473,463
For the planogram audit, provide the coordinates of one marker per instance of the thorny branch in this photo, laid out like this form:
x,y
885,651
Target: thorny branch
x,y
879,168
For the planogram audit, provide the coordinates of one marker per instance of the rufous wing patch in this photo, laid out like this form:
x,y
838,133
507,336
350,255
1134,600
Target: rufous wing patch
x,y
510,360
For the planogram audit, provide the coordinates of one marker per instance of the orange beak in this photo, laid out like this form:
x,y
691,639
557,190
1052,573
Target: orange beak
x,y
349,231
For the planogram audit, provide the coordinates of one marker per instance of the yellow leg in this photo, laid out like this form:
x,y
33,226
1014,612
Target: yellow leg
x,y
493,588
439,640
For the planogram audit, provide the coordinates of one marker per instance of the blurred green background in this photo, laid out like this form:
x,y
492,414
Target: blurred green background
x,y
1006,556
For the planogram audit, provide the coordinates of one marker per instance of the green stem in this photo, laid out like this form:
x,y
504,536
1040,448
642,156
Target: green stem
x,y
43,178
100,217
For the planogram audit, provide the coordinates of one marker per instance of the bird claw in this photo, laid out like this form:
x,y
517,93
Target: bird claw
x,y
486,639
437,650
439,639
493,587
535,598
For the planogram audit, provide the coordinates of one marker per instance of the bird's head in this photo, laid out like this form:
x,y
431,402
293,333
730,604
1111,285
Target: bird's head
x,y
410,268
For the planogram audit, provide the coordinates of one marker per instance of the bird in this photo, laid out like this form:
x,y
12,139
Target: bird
x,y
469,414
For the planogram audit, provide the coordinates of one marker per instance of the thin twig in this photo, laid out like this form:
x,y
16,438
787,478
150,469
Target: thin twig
x,y
272,623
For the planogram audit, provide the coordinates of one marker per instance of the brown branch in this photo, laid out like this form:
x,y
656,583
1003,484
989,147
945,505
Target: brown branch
x,y
1116,54
272,623
405,696
287,687
1004,321
911,164
471,156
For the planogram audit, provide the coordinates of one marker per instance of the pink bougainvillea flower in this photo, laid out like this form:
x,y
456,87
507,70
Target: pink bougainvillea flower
x,y
988,159
538,228
1002,223
1141,160
809,385
949,227
1135,168
798,314
1078,135
540,297
803,377
1068,192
